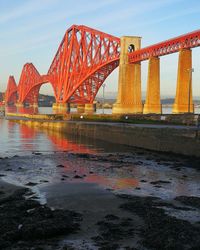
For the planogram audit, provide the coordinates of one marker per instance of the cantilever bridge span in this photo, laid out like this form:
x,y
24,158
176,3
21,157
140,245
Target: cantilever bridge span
x,y
86,57
83,61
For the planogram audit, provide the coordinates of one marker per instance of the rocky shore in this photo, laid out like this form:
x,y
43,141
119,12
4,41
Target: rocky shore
x,y
79,214
25,224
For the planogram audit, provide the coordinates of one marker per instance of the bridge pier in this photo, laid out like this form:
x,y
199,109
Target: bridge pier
x,y
34,105
183,100
129,84
90,108
80,108
152,104
61,106
19,105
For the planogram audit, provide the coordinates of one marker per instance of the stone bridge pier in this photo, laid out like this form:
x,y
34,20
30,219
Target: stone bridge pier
x,y
129,98
183,100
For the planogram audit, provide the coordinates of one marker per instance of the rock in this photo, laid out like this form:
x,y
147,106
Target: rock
x,y
77,177
112,230
31,184
159,182
86,156
25,224
20,226
138,162
60,166
37,153
189,200
111,217
44,181
158,186
162,231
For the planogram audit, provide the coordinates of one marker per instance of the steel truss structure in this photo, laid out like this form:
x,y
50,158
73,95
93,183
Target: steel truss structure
x,y
170,46
84,59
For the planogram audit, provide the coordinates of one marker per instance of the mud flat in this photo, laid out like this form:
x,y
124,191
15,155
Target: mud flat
x,y
136,200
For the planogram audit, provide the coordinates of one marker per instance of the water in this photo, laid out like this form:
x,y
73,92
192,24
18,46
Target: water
x,y
33,155
22,140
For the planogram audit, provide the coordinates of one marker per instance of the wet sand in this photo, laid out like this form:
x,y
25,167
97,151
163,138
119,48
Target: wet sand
x,y
139,200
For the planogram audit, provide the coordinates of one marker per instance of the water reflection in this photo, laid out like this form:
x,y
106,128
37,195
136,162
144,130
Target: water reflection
x,y
22,110
21,138
64,144
113,183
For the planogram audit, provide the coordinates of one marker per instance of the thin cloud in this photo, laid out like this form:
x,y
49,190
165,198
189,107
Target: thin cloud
x,y
25,9
53,16
176,15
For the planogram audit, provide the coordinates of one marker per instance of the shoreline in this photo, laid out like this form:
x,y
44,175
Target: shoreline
x,y
100,216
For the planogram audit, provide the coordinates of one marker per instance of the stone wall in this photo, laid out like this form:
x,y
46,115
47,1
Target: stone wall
x,y
184,141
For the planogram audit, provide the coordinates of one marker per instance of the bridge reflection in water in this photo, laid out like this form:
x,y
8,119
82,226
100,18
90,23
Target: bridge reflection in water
x,y
60,142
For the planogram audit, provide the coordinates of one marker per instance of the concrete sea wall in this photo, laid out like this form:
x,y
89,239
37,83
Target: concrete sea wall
x,y
178,140
164,138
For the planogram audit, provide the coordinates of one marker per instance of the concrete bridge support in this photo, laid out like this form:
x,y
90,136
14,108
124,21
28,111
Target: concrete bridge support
x,y
61,106
90,108
152,103
129,84
19,104
183,100
34,105
80,108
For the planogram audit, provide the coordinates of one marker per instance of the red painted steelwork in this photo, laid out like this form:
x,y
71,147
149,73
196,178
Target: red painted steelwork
x,y
11,91
29,84
170,46
83,61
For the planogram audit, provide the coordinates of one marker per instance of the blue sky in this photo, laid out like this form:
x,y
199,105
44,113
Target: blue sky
x,y
31,30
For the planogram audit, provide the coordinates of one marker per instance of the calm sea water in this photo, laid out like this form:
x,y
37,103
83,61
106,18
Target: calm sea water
x,y
21,140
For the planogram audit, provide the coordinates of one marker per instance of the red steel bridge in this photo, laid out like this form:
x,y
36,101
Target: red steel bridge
x,y
84,59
